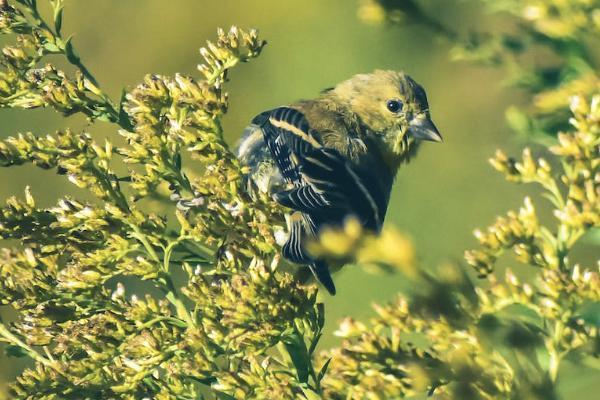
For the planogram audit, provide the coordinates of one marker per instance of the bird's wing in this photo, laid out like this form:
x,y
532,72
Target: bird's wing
x,y
288,136
326,187
294,249
333,189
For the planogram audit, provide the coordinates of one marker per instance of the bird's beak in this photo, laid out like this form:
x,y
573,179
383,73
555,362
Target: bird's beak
x,y
422,128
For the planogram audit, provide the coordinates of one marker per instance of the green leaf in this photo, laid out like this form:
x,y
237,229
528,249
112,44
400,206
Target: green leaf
x,y
124,120
323,371
314,343
296,348
70,52
321,315
58,16
15,351
51,47
177,161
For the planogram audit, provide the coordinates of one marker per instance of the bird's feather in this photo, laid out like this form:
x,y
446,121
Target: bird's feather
x,y
325,187
293,249
289,137
320,270
343,189
303,198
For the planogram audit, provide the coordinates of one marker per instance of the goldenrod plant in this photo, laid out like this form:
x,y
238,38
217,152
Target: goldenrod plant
x,y
213,328
499,337
114,297
563,34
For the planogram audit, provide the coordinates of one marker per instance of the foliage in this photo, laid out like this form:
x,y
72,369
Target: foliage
x,y
503,338
216,301
220,315
547,48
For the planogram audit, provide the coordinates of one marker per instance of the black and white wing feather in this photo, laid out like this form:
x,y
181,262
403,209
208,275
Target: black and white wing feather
x,y
323,187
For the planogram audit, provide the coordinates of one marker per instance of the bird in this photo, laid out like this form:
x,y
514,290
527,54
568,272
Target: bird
x,y
336,156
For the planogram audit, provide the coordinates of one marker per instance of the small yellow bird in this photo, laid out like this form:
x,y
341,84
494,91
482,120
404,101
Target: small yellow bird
x,y
337,155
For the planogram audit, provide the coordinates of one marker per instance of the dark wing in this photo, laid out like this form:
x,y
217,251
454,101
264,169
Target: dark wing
x,y
326,188
294,249
289,137
333,189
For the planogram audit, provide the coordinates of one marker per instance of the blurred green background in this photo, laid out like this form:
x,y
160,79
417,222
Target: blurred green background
x,y
446,192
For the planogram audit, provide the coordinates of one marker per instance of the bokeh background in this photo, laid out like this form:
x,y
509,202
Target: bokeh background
x,y
446,192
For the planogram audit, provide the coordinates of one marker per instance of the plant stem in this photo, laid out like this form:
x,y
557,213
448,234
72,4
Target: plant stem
x,y
172,296
11,338
554,352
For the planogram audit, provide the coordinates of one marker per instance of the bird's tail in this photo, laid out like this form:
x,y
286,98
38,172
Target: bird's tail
x,y
321,271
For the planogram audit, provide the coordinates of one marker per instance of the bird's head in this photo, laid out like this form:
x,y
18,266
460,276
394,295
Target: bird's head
x,y
392,107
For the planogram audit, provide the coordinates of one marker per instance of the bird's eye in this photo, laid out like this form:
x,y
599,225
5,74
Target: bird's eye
x,y
394,106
